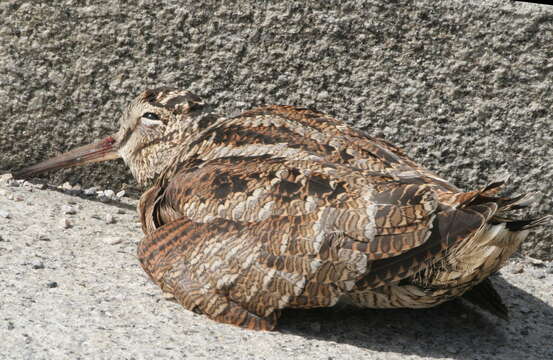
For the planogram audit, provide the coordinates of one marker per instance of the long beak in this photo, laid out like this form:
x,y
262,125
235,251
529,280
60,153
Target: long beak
x,y
103,150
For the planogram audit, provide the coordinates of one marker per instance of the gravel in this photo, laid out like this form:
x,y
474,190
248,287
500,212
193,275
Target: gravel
x,y
109,194
90,191
69,210
65,223
43,237
92,300
37,265
112,240
518,269
109,219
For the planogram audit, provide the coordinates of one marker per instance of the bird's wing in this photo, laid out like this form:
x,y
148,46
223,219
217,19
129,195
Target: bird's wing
x,y
295,132
241,238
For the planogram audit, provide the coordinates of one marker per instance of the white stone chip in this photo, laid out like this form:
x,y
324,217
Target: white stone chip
x,y
112,240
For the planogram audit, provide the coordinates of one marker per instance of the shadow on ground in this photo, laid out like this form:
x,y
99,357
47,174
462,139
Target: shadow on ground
x,y
452,330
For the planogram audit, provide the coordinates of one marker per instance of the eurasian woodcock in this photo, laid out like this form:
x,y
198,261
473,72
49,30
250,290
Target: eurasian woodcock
x,y
286,207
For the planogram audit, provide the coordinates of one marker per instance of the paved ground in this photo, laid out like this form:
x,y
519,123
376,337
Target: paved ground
x,y
72,288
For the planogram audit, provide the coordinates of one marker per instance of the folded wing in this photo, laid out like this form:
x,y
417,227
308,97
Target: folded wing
x,y
239,239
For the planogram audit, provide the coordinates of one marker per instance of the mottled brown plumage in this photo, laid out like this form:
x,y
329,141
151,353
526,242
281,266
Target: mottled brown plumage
x,y
284,207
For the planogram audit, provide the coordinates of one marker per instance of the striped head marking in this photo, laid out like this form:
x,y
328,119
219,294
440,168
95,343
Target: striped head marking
x,y
153,126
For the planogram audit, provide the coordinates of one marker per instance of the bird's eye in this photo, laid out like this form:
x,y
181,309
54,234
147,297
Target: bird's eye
x,y
150,116
150,120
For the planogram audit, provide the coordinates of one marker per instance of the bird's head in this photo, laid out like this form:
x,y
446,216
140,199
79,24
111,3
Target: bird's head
x,y
152,129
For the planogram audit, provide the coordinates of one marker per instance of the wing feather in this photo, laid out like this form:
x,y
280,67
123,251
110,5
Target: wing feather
x,y
331,228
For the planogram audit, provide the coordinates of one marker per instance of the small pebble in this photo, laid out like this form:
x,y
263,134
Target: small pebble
x,y
540,276
65,223
10,326
13,183
550,269
109,194
67,209
37,265
90,191
43,237
536,262
52,284
121,211
120,194
28,186
6,177
112,240
18,198
5,214
104,198
39,186
109,219
518,269
67,186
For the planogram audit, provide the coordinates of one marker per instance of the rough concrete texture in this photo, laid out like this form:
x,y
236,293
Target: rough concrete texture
x,y
79,293
465,87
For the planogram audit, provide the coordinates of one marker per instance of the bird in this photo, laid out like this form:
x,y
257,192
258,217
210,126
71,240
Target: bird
x,y
285,207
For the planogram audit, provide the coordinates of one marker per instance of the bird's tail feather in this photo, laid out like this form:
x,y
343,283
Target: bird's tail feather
x,y
505,205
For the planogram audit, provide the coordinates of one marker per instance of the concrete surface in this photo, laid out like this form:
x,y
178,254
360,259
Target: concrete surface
x,y
79,293
465,87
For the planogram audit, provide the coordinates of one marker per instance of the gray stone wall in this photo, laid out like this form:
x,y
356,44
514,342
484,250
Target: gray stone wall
x,y
464,87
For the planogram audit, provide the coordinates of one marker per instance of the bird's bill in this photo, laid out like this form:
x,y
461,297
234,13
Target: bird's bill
x,y
103,150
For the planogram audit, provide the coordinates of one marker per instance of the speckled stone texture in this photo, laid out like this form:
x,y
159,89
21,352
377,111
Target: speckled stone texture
x,y
465,87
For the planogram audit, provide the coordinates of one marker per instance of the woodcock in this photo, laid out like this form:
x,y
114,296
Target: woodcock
x,y
286,207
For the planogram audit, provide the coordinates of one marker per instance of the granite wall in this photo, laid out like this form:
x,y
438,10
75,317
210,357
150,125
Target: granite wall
x,y
464,86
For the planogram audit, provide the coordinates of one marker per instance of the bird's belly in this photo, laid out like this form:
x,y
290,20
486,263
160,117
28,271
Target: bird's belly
x,y
387,297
